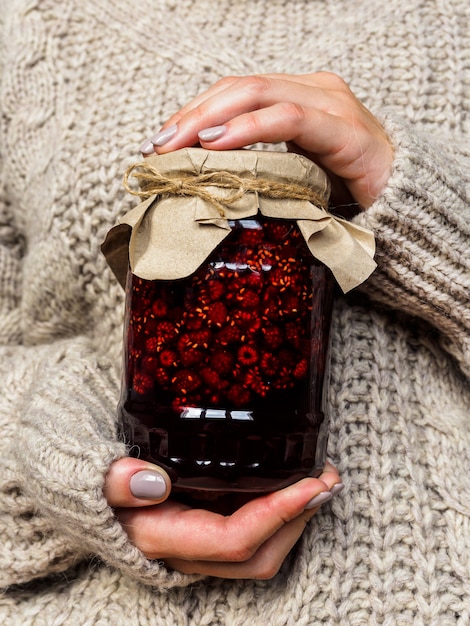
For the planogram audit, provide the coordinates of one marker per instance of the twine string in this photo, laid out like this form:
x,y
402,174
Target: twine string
x,y
152,182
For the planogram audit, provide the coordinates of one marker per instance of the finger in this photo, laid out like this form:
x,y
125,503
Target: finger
x,y
173,530
242,96
134,483
263,565
229,82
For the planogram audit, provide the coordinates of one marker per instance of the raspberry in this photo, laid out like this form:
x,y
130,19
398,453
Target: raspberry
x,y
149,363
279,278
270,304
277,231
253,280
210,377
185,381
290,305
168,358
222,361
301,369
159,308
248,299
152,345
193,323
293,334
229,334
191,357
162,378
200,338
217,314
284,380
251,236
254,381
166,332
215,289
273,336
238,395
269,364
247,355
247,321
142,383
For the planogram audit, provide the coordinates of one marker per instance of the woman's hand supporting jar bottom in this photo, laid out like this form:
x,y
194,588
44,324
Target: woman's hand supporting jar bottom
x,y
316,115
252,542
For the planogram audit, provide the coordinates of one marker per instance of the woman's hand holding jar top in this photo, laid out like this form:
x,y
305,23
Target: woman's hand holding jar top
x,y
315,114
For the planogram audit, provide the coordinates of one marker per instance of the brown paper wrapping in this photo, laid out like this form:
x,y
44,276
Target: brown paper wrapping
x,y
169,236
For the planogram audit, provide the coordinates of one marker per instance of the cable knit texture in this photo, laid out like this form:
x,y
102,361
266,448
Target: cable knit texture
x,y
82,85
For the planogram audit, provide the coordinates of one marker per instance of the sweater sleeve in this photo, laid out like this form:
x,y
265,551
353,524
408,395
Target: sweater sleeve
x,y
422,227
52,509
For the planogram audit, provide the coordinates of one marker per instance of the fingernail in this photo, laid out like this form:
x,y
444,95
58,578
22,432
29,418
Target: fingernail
x,y
338,488
318,500
209,134
148,484
161,138
147,147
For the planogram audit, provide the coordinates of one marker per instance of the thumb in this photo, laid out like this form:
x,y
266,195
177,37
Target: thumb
x,y
133,483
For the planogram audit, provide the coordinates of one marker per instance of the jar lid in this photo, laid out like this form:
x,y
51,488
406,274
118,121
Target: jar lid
x,y
191,195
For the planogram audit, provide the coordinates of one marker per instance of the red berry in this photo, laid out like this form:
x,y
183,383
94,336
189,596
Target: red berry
x,y
277,231
254,381
301,369
273,337
149,363
200,338
247,321
191,357
238,395
222,361
251,236
193,323
253,280
185,381
142,383
247,355
161,376
291,307
293,334
152,345
283,380
215,289
248,299
159,308
228,335
210,377
269,364
216,314
168,358
166,332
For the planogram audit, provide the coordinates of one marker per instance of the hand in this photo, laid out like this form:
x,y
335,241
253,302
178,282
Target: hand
x,y
252,542
316,114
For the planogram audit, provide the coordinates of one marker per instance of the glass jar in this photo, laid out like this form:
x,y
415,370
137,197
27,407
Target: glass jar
x,y
225,371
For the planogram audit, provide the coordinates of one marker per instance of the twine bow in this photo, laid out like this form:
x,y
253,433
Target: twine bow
x,y
153,183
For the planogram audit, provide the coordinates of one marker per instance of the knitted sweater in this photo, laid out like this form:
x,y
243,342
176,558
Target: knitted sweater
x,y
82,85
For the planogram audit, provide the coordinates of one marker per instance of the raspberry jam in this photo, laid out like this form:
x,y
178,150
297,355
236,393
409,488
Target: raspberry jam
x,y
225,370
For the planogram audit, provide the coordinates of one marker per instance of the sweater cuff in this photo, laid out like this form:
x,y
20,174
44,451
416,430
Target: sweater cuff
x,y
67,442
422,228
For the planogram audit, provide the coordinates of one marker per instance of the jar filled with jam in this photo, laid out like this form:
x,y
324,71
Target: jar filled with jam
x,y
226,343
225,369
